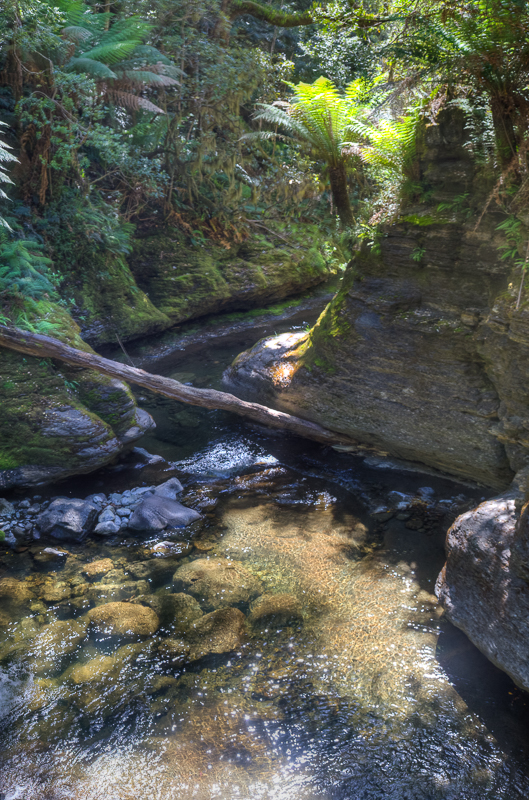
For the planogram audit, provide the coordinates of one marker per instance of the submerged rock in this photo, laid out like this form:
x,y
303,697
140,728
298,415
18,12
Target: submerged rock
x,y
217,582
484,584
68,518
56,640
174,651
156,512
218,632
14,592
124,619
275,608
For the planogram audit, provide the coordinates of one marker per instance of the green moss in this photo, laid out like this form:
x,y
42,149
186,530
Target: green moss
x,y
423,220
186,282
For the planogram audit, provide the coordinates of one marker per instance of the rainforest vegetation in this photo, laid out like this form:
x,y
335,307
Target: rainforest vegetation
x,y
220,118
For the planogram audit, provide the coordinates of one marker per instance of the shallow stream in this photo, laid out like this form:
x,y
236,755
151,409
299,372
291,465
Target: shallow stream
x,y
369,695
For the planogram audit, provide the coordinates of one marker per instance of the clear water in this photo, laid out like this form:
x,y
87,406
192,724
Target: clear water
x,y
371,696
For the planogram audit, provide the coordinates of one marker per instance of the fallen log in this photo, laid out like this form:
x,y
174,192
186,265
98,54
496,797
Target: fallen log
x,y
35,344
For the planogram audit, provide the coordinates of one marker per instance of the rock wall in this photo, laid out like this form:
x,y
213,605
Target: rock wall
x,y
165,281
423,354
58,421
420,354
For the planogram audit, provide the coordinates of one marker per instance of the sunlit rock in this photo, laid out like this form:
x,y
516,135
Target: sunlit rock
x,y
124,619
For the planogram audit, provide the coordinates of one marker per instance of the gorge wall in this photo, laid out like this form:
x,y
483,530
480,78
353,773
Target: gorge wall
x,y
57,421
422,354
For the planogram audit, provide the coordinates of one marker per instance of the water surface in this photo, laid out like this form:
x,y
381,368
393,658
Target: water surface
x,y
370,696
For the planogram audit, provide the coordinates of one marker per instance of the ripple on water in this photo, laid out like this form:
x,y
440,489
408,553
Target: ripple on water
x,y
350,703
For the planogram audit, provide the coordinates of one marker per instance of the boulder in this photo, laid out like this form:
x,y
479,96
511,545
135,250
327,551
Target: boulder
x,y
68,518
218,632
217,582
157,512
124,619
275,608
169,489
484,585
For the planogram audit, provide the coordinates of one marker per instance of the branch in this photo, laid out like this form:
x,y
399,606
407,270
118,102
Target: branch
x,y
35,344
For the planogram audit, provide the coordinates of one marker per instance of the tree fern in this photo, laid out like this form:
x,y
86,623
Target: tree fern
x,y
5,157
23,269
327,121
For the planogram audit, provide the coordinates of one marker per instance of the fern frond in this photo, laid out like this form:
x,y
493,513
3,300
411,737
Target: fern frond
x,y
89,66
132,101
76,33
140,78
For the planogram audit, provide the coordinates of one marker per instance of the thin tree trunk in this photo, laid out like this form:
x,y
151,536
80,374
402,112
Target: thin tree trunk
x,y
340,194
35,344
503,110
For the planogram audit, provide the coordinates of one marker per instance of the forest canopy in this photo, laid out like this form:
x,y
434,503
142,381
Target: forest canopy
x,y
217,115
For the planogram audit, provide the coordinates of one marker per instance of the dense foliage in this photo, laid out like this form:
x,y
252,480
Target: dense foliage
x,y
210,115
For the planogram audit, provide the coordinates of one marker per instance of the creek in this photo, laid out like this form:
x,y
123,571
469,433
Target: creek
x,y
370,695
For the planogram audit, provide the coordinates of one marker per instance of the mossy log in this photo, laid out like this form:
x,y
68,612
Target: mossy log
x,y
34,344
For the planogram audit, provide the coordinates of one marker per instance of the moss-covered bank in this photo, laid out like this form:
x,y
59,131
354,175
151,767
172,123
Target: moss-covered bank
x,y
58,421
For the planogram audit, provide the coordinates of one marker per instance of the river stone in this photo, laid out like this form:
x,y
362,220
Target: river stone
x,y
483,585
217,582
56,640
169,489
54,591
98,568
68,518
14,592
157,570
277,608
157,512
108,515
218,632
107,528
124,619
106,592
103,667
174,651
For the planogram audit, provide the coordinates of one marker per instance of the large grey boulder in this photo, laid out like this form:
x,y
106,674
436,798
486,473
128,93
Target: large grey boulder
x,y
157,512
217,582
484,585
170,489
68,518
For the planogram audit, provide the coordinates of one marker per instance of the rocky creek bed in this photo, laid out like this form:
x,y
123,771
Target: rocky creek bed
x,y
286,643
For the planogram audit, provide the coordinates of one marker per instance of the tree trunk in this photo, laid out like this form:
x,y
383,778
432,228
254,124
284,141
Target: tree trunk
x,y
503,114
340,194
35,344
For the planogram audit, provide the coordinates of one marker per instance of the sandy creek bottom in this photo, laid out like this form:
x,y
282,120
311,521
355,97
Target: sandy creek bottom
x,y
371,696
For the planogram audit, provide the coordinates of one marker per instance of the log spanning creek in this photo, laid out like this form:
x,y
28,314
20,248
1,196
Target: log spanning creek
x,y
285,646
